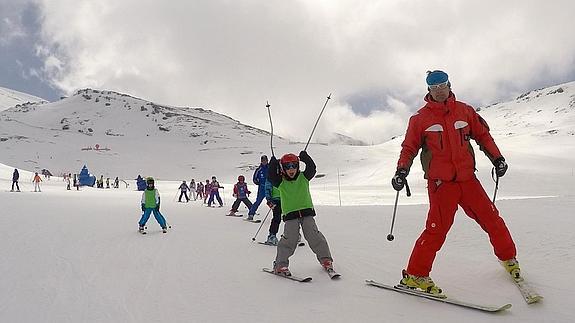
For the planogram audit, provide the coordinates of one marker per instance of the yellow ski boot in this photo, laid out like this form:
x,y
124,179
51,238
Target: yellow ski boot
x,y
423,284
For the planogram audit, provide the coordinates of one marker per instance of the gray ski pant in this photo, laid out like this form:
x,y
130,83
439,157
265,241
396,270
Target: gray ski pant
x,y
289,240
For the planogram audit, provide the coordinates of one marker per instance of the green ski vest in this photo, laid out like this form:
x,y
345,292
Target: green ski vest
x,y
295,194
150,198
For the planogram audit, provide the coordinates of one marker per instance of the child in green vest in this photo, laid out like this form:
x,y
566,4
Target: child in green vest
x,y
297,210
151,203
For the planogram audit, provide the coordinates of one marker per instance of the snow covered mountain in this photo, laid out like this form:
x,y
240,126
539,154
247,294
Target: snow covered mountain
x,y
117,134
10,98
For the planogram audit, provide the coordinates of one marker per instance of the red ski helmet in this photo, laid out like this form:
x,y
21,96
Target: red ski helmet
x,y
289,161
241,178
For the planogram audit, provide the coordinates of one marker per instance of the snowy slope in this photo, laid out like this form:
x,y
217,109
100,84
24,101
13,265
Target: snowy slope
x,y
75,256
10,98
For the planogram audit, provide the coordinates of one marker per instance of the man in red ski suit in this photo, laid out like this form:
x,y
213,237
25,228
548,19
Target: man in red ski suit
x,y
442,129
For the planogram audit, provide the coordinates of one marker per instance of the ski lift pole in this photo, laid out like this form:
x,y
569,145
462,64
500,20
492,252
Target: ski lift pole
x,y
271,128
317,121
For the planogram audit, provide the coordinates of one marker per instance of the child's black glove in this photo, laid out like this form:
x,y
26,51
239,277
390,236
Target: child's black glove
x,y
143,207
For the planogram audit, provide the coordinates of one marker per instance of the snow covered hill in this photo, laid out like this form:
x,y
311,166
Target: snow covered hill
x,y
10,98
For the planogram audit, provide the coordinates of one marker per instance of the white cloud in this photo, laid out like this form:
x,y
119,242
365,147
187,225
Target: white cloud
x,y
232,56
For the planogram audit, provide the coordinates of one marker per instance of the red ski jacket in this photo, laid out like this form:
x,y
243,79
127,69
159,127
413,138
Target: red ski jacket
x,y
443,131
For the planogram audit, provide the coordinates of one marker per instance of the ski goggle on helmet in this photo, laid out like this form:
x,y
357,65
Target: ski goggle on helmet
x,y
150,181
289,161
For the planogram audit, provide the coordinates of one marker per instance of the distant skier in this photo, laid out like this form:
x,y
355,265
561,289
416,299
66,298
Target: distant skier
x,y
193,189
259,178
184,192
76,183
207,190
241,193
151,203
214,192
274,202
116,182
36,182
297,210
15,177
107,182
200,190
68,179
443,129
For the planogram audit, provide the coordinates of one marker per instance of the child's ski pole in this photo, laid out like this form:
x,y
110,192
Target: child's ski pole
x,y
317,121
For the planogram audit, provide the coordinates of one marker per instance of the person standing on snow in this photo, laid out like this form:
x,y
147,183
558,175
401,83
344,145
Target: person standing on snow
x,y
297,210
184,191
193,189
259,178
443,129
15,177
274,202
200,190
151,203
207,190
241,193
214,192
37,181
68,179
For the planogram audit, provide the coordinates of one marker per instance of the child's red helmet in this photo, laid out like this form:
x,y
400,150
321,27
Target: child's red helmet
x,y
241,178
289,161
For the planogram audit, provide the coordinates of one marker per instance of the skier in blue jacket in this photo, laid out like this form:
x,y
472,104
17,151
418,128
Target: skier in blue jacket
x,y
260,176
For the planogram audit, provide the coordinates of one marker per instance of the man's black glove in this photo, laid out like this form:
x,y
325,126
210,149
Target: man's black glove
x,y
500,166
399,179
143,207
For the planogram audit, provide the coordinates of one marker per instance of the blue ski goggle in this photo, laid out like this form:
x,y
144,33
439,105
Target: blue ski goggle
x,y
292,165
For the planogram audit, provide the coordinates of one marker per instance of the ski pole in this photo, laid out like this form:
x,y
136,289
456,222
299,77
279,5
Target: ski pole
x,y
263,221
496,179
317,121
390,236
271,127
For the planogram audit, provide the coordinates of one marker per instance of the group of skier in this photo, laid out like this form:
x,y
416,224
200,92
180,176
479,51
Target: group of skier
x,y
16,178
207,192
442,129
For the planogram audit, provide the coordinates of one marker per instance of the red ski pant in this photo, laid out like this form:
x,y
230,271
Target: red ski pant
x,y
443,201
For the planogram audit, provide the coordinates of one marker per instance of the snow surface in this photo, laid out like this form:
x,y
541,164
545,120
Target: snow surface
x,y
75,256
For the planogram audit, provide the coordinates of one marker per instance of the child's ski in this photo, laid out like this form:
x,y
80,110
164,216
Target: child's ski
x,y
445,299
529,294
300,244
292,277
333,274
253,221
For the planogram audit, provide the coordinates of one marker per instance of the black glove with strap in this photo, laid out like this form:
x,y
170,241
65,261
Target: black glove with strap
x,y
500,166
399,179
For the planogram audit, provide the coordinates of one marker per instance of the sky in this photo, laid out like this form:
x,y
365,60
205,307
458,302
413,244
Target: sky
x,y
234,56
